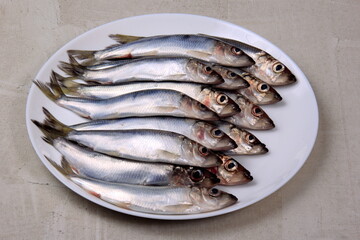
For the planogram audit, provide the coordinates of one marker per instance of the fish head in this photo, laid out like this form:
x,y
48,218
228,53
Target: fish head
x,y
209,199
274,71
260,91
231,79
247,143
200,156
212,137
195,176
202,72
196,109
219,102
229,55
252,116
231,172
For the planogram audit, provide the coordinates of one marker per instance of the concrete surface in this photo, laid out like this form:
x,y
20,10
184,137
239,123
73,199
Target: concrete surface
x,y
321,202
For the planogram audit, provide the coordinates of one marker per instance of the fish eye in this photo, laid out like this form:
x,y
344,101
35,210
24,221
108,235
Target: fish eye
x,y
231,165
235,50
250,138
203,151
257,111
208,70
217,133
197,175
214,192
222,99
231,74
278,67
263,87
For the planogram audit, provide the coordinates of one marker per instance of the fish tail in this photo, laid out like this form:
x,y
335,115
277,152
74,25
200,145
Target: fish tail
x,y
124,38
64,167
82,54
51,122
72,70
52,93
67,85
52,129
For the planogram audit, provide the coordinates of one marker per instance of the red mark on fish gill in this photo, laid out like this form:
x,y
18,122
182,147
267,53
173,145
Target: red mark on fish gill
x,y
213,170
200,134
126,56
98,195
206,102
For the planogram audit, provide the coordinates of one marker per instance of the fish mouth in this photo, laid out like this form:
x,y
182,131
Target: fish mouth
x,y
246,61
248,176
225,144
259,149
229,110
241,83
277,97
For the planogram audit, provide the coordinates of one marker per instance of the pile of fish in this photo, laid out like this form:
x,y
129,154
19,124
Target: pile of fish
x,y
166,114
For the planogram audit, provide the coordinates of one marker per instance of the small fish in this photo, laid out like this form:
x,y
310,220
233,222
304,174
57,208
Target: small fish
x,y
141,145
193,46
259,92
251,115
201,132
146,69
143,103
230,172
215,100
158,199
247,143
86,163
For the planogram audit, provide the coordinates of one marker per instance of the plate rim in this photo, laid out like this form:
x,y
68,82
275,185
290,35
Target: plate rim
x,y
102,203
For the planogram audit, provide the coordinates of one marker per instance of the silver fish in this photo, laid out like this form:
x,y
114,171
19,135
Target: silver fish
x,y
266,67
158,200
231,172
215,100
259,92
141,145
85,163
247,143
251,115
147,69
200,47
143,103
202,132
231,80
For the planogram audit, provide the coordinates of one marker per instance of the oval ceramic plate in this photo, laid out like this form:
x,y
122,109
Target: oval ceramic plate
x,y
290,143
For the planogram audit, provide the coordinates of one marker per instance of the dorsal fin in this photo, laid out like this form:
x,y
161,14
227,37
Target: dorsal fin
x,y
124,38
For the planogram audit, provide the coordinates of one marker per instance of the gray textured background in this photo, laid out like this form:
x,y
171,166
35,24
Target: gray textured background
x,y
321,202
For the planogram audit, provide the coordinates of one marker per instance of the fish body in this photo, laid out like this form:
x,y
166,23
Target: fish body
x,y
86,163
141,145
193,46
142,103
146,69
215,100
202,132
158,200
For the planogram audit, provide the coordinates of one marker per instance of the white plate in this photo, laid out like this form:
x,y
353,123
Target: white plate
x,y
296,117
